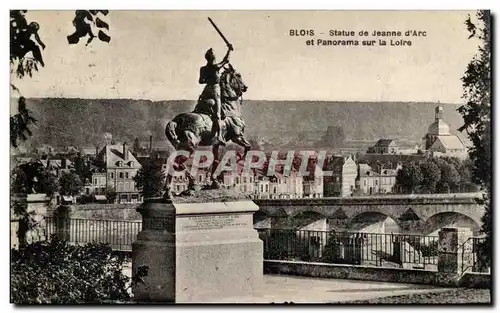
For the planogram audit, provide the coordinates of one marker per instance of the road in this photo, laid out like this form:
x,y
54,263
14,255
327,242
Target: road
x,y
281,289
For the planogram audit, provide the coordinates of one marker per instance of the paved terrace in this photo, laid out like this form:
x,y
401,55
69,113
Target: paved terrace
x,y
280,289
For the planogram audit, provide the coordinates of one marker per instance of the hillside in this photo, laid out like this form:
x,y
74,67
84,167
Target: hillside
x,y
64,121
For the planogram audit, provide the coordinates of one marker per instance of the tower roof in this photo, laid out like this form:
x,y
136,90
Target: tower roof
x,y
439,128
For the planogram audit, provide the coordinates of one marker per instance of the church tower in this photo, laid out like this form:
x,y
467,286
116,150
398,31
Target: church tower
x,y
438,128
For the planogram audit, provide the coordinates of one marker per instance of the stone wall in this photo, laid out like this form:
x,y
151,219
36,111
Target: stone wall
x,y
426,210
118,212
397,275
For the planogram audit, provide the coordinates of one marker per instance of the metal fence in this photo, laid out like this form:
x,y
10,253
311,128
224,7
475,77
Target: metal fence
x,y
118,234
471,256
387,250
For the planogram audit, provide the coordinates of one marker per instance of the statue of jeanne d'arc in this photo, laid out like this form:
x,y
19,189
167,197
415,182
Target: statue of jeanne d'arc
x,y
210,75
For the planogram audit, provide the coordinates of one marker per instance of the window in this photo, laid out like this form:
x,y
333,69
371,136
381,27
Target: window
x,y
87,191
244,188
364,182
267,188
275,190
250,178
244,179
237,180
126,174
121,175
376,182
95,181
112,175
261,188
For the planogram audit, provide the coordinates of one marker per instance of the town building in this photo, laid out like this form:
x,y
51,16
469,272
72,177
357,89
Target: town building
x,y
387,179
439,141
240,181
45,149
342,181
120,167
57,165
97,183
313,185
384,146
377,177
368,181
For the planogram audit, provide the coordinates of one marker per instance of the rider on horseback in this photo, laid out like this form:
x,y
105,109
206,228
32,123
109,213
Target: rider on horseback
x,y
210,75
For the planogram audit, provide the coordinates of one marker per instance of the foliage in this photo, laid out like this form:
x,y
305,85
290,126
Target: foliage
x,y
334,136
150,179
70,184
409,177
476,113
110,194
431,175
82,167
450,177
26,56
89,23
59,273
20,123
33,177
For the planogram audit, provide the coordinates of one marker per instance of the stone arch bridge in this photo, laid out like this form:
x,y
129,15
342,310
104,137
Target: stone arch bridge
x,y
420,214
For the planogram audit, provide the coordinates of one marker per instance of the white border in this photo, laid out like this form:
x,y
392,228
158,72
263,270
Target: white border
x,y
199,5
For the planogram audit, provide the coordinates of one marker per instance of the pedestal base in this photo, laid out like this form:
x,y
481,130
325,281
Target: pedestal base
x,y
198,252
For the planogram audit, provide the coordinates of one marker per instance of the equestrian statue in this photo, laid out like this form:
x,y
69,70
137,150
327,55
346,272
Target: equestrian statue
x,y
216,118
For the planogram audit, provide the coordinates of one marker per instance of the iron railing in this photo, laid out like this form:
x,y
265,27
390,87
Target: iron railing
x,y
472,259
118,234
387,250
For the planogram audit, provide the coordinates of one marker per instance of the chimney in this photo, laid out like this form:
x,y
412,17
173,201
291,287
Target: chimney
x,y
125,151
108,138
150,144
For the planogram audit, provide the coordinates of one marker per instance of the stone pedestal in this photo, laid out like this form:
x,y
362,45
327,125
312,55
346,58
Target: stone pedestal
x,y
197,252
455,250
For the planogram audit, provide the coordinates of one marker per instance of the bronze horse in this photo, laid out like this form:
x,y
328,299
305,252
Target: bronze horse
x,y
188,131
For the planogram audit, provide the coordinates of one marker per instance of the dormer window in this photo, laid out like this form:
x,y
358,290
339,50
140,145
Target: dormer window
x,y
120,163
131,163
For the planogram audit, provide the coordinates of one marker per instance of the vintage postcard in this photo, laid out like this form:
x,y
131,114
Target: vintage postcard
x,y
250,157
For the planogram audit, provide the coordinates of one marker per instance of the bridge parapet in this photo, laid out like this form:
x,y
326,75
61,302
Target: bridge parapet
x,y
414,210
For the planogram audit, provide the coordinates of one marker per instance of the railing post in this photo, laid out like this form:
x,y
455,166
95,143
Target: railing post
x,y
455,250
62,223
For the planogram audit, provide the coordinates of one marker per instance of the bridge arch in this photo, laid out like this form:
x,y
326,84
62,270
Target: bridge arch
x,y
310,212
434,223
374,222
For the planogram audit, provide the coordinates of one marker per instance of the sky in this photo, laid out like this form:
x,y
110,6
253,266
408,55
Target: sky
x,y
156,55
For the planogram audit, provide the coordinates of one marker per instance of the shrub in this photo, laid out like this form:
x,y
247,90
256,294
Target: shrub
x,y
55,272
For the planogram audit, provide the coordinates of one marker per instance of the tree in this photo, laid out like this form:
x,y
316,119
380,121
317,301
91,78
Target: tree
x,y
409,177
450,178
26,56
334,136
431,175
82,168
25,59
150,179
70,184
110,194
476,113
